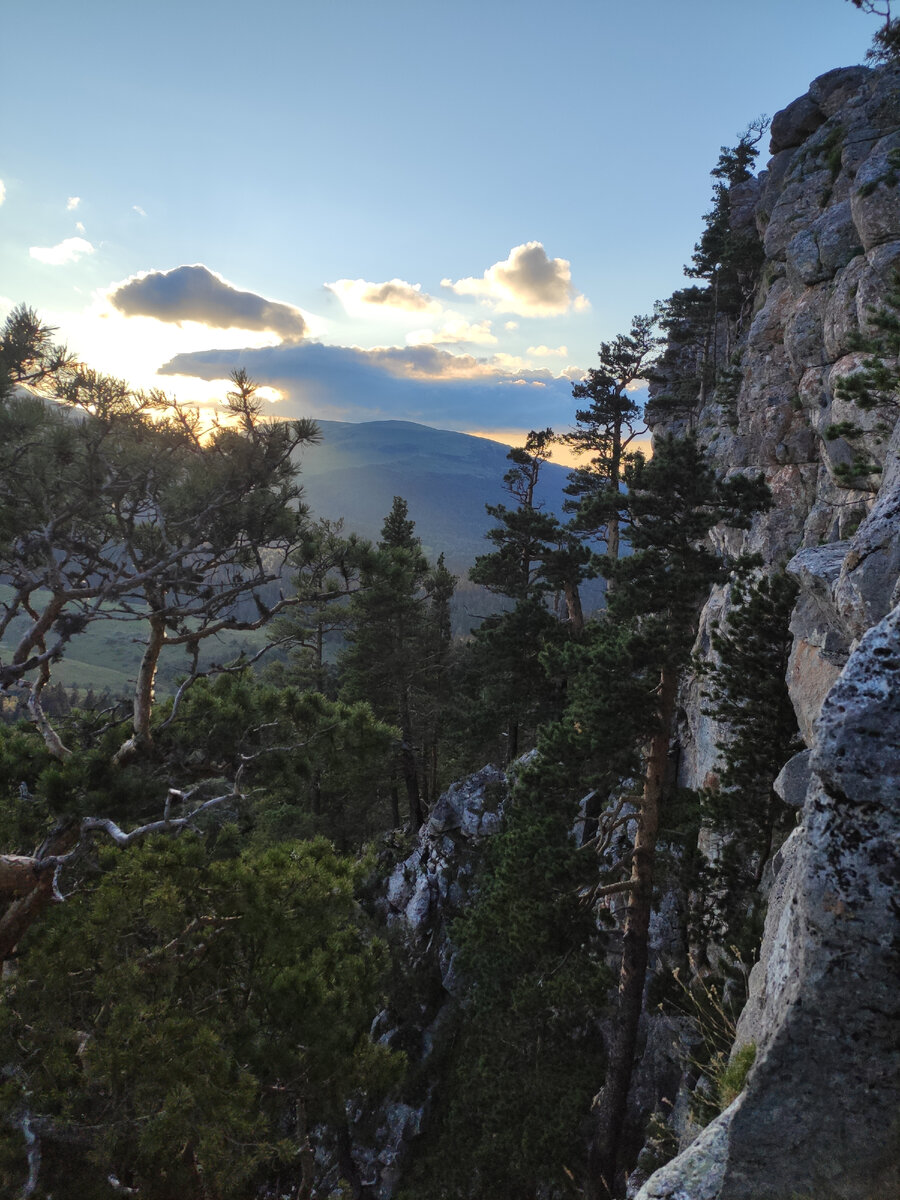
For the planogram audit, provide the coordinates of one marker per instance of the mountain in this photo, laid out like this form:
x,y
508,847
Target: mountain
x,y
446,479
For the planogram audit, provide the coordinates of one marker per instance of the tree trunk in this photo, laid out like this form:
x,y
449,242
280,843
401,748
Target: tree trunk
x,y
409,769
411,779
143,693
612,541
52,740
573,606
512,740
610,1106
348,1167
395,798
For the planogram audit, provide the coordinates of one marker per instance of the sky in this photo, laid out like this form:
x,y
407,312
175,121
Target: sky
x,y
393,210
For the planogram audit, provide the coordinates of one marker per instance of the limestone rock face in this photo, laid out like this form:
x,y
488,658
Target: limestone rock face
x,y
818,1115
696,1174
424,892
830,255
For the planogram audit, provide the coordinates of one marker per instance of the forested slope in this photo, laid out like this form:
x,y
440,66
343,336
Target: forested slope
x,y
256,940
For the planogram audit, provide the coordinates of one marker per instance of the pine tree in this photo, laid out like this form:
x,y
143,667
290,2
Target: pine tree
x,y
535,554
728,258
390,658
182,1025
535,557
673,503
746,689
527,1053
606,428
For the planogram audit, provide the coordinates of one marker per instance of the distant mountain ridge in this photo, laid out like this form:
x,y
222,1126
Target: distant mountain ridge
x,y
446,479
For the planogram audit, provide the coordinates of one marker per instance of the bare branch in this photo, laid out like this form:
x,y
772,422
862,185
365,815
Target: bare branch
x,y
611,889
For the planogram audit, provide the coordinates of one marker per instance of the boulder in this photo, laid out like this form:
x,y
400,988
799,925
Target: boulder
x,y
793,125
792,783
875,200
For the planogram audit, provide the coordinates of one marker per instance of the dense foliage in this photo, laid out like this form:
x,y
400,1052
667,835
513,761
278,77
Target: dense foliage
x,y
196,1017
184,1021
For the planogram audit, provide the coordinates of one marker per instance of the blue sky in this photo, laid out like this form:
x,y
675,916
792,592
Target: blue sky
x,y
405,209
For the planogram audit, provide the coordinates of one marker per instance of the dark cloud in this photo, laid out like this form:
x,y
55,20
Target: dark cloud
x,y
194,293
415,383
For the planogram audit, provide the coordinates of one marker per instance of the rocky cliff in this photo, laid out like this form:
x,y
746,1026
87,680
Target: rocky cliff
x,y
818,1117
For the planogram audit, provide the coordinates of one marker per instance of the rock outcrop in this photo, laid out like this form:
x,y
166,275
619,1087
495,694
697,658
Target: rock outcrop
x,y
425,891
818,1116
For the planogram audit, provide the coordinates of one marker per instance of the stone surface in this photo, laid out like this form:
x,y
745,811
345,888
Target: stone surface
x,y
876,197
829,243
820,646
696,1173
820,1113
424,892
816,1117
792,783
868,585
793,125
833,89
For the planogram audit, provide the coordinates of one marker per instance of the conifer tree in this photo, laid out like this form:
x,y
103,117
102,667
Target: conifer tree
x,y
181,1026
673,502
388,660
746,689
527,1052
875,388
606,427
535,556
729,258
440,585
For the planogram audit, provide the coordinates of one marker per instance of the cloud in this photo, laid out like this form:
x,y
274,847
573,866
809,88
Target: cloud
x,y
548,351
68,250
79,227
137,208
72,203
415,383
2,191
358,294
194,293
527,283
453,331
511,325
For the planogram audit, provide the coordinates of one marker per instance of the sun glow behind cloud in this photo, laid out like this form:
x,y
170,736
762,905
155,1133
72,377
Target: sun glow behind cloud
x,y
562,454
132,348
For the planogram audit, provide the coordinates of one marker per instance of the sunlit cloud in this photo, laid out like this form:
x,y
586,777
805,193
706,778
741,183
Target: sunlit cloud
x,y
79,227
2,191
415,383
452,331
67,251
194,293
528,283
511,325
548,351
137,208
72,203
131,348
360,297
